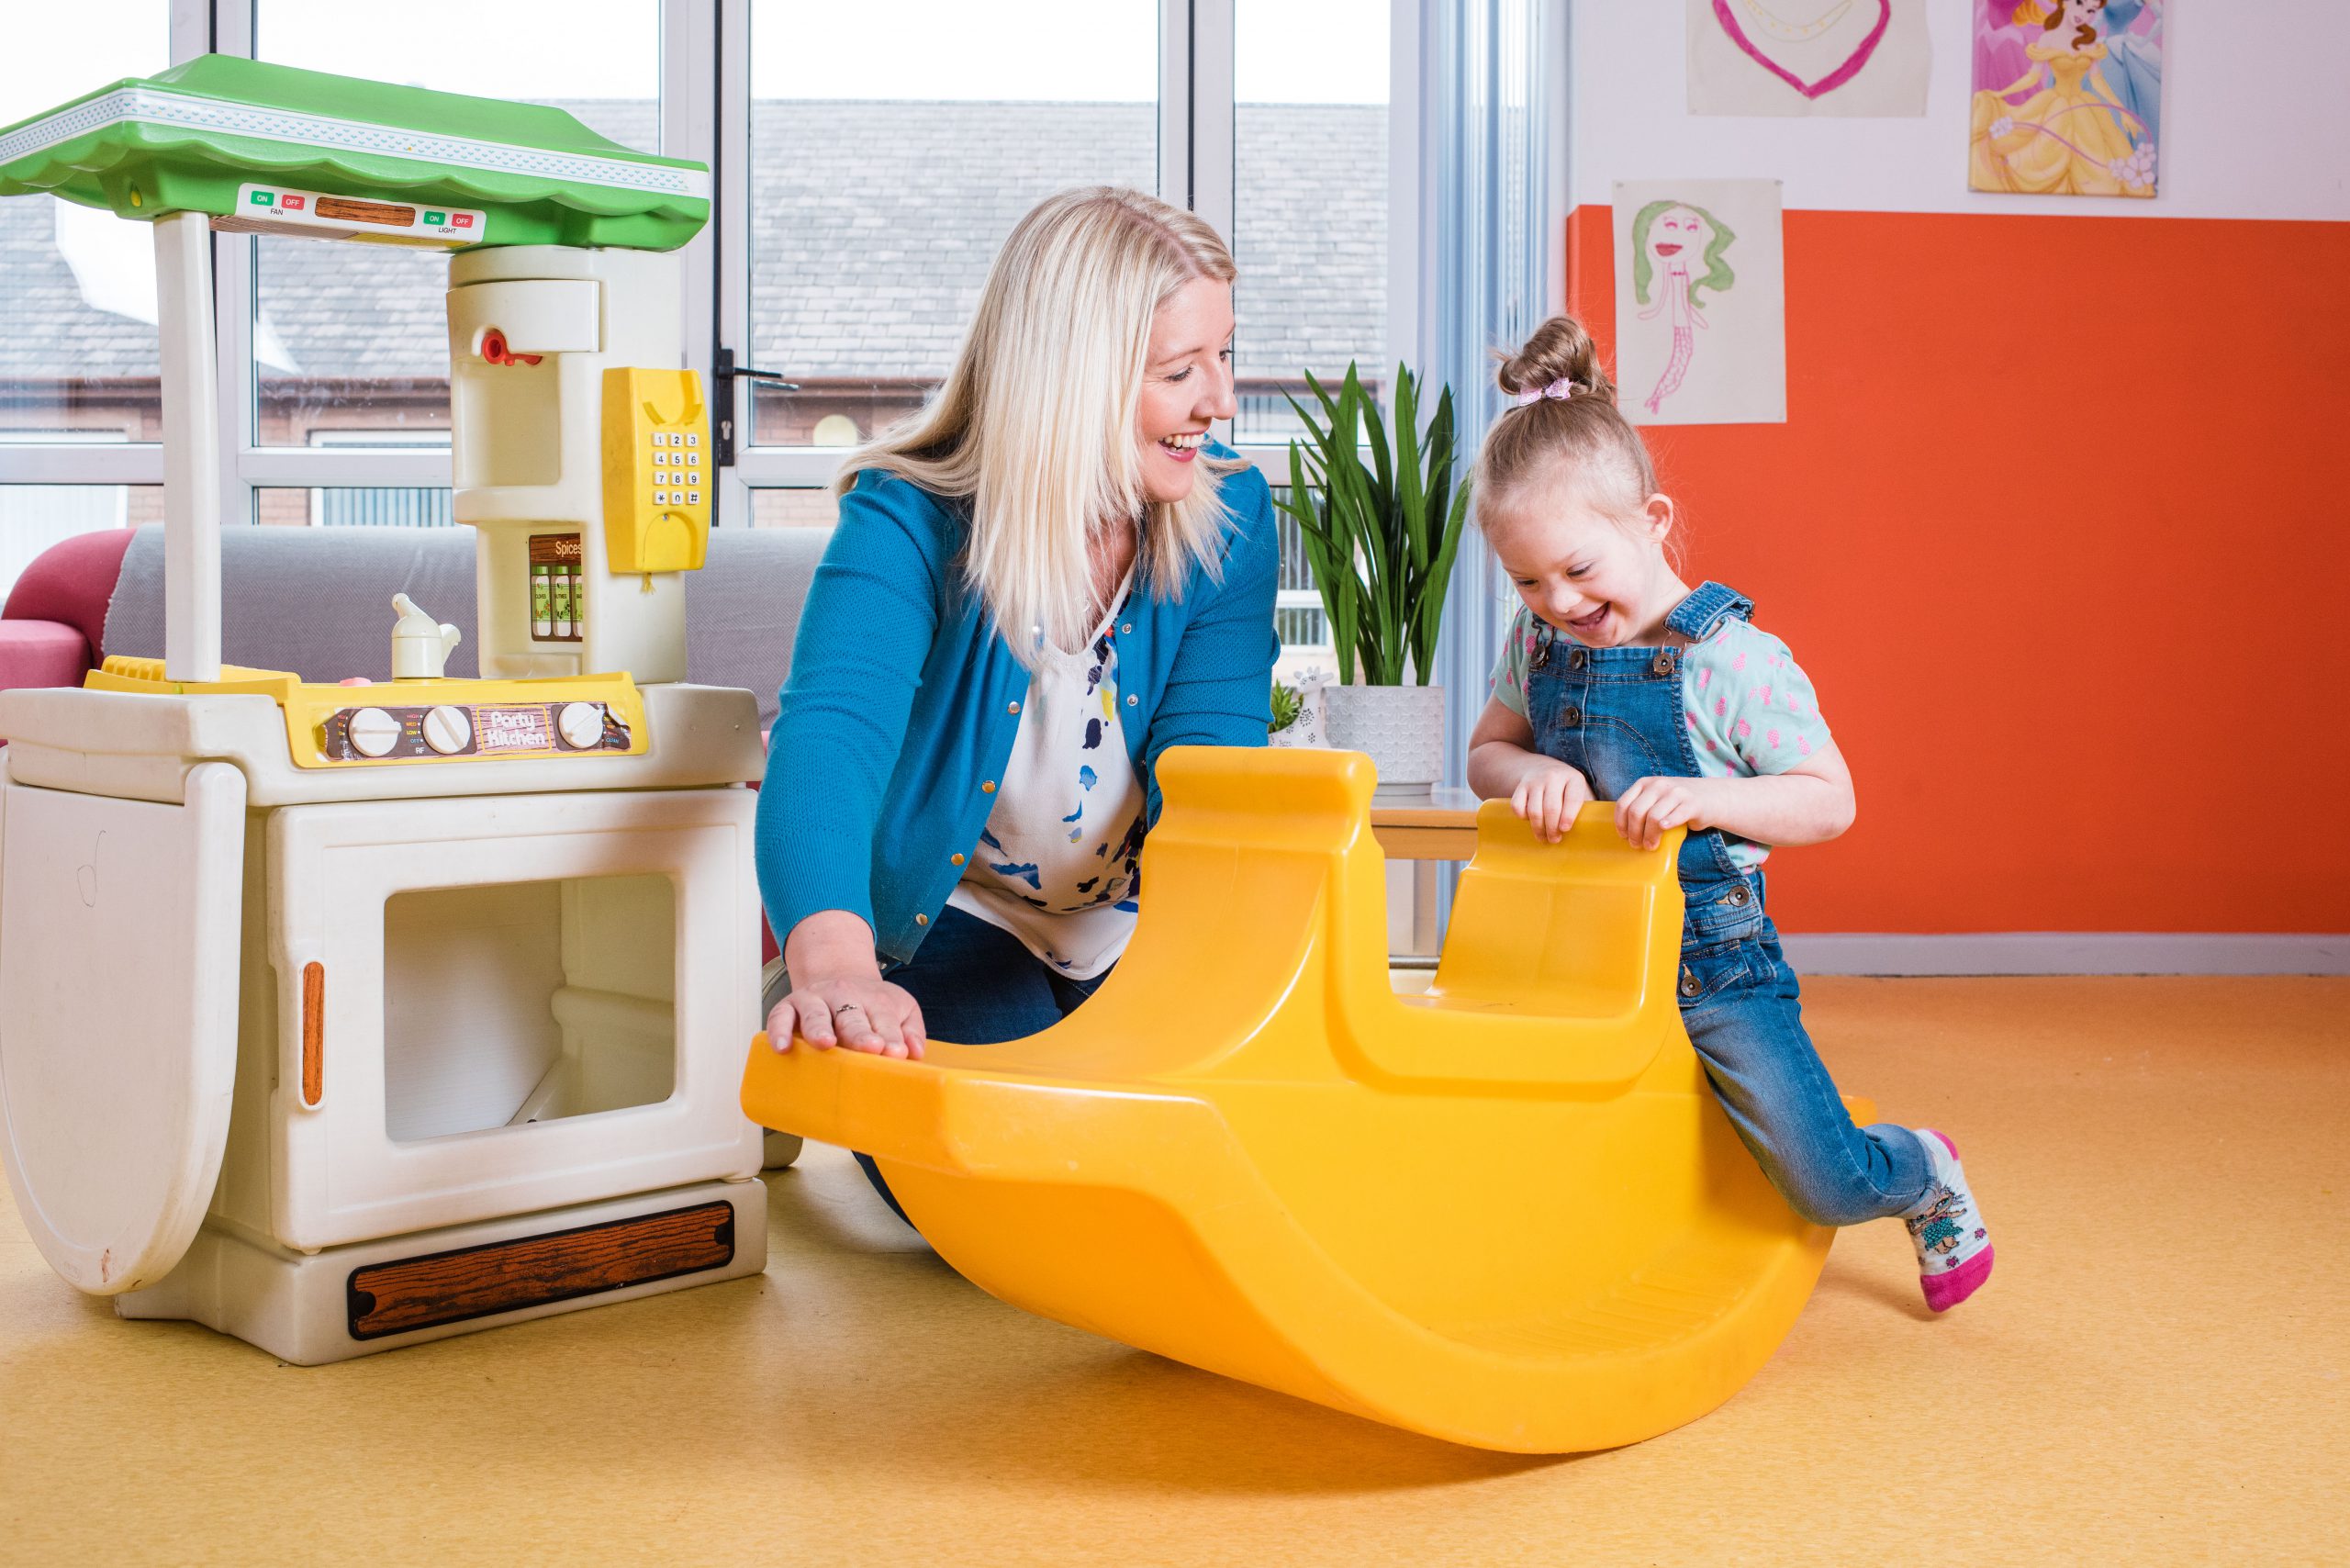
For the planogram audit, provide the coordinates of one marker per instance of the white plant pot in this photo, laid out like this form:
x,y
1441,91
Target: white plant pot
x,y
1402,728
1306,730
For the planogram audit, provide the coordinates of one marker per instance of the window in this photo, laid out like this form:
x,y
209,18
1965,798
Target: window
x,y
351,340
1298,616
891,148
78,359
77,285
870,160
33,517
1309,204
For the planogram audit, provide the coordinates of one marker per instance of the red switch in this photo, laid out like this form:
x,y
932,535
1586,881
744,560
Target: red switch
x,y
494,350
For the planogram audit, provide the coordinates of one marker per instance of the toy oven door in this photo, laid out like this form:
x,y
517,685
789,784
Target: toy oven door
x,y
489,1005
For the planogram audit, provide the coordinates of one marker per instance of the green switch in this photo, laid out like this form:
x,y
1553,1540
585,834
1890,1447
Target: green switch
x,y
436,219
262,198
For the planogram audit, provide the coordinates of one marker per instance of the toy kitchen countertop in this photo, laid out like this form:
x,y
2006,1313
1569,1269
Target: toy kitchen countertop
x,y
142,747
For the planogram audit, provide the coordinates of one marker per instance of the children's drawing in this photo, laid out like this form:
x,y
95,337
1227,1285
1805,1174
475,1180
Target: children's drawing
x,y
1667,237
1807,57
1700,302
2068,96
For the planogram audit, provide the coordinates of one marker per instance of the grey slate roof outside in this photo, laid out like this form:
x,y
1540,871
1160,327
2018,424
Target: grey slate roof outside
x,y
872,226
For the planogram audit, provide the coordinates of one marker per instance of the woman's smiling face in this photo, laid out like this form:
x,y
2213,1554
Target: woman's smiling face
x,y
1186,384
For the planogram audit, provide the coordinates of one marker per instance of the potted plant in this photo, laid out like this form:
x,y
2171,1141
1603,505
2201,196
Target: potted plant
x,y
1381,537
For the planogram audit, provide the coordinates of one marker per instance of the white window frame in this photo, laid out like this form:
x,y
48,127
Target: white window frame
x,y
705,77
1196,95
248,468
60,459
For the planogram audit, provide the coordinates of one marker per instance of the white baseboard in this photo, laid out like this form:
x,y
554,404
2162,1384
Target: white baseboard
x,y
2071,953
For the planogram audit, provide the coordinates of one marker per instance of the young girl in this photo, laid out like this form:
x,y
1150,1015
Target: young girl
x,y
1619,682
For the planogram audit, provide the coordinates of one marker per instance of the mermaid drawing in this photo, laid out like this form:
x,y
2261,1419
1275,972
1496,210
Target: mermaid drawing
x,y
1666,236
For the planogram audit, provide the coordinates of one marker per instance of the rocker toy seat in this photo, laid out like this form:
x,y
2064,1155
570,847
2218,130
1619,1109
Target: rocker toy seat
x,y
1506,1212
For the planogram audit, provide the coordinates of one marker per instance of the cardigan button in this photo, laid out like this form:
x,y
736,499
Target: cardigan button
x,y
1127,630
921,920
1012,708
1132,699
954,859
988,787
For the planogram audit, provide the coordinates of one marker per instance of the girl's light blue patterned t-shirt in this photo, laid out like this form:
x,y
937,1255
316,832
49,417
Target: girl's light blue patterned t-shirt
x,y
1748,706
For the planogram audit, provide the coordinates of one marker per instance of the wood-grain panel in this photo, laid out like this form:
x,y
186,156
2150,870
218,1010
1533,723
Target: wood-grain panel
x,y
408,1293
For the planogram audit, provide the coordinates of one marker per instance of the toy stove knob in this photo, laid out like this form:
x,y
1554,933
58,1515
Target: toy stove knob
x,y
374,733
581,724
448,730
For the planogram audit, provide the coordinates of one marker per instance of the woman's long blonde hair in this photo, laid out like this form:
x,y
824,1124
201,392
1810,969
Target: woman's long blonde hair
x,y
1035,424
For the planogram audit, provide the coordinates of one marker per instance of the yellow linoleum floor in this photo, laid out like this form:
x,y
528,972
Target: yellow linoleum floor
x,y
2155,1373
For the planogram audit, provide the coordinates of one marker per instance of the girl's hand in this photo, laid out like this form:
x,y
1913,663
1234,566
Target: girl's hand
x,y
862,1013
1653,805
1548,795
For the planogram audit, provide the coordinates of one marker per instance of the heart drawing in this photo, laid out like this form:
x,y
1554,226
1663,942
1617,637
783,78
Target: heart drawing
x,y
1827,83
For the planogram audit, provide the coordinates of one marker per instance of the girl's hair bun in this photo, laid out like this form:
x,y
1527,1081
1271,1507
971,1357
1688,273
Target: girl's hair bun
x,y
1577,432
1560,350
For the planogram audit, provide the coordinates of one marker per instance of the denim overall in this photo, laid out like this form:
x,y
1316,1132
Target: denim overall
x,y
1616,716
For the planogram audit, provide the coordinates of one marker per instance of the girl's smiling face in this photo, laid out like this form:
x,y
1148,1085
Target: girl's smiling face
x,y
1602,580
1186,384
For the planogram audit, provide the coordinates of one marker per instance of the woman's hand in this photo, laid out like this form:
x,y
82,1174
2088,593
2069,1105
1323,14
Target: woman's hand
x,y
860,1013
1548,795
838,997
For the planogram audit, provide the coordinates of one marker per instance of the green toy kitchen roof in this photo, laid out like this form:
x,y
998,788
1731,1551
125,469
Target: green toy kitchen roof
x,y
202,137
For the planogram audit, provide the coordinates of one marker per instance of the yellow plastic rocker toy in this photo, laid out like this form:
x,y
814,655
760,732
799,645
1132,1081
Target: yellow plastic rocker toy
x,y
1507,1212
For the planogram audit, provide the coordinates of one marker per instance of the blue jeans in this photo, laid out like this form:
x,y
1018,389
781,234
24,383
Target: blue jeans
x,y
978,985
1741,1005
1616,715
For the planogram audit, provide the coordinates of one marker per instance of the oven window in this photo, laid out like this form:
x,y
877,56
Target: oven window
x,y
527,1002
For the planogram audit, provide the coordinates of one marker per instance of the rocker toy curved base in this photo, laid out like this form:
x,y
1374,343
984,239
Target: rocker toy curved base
x,y
1507,1212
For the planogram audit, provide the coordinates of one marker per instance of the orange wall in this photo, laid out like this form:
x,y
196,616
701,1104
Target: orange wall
x,y
2060,524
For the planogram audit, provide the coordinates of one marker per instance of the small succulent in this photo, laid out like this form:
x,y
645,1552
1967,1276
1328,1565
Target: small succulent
x,y
1288,703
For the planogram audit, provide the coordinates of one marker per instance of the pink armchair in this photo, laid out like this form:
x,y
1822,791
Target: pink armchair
x,y
55,620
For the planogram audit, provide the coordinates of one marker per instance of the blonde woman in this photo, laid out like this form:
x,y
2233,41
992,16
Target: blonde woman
x,y
1038,584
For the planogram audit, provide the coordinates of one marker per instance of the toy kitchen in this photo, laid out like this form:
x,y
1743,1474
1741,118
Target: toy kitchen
x,y
342,1016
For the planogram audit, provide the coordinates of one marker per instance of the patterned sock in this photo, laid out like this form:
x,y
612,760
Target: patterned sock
x,y
1953,1249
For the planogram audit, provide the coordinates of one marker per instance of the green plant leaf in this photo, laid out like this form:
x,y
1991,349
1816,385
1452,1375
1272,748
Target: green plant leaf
x,y
1333,574
1382,536
1440,579
1375,432
1410,499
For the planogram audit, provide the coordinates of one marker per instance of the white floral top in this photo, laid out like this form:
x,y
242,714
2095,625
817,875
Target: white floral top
x,y
1055,866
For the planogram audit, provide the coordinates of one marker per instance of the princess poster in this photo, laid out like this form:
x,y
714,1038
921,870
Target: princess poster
x,y
2067,96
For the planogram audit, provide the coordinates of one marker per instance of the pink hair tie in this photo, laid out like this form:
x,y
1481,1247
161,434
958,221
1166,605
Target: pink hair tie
x,y
1562,389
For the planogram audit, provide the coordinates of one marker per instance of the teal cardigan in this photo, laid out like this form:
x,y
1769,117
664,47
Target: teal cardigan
x,y
899,711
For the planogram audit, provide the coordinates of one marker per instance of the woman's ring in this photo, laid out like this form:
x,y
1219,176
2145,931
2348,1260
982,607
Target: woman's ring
x,y
848,1007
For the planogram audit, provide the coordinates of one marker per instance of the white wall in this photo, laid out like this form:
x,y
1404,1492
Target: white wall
x,y
2256,119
